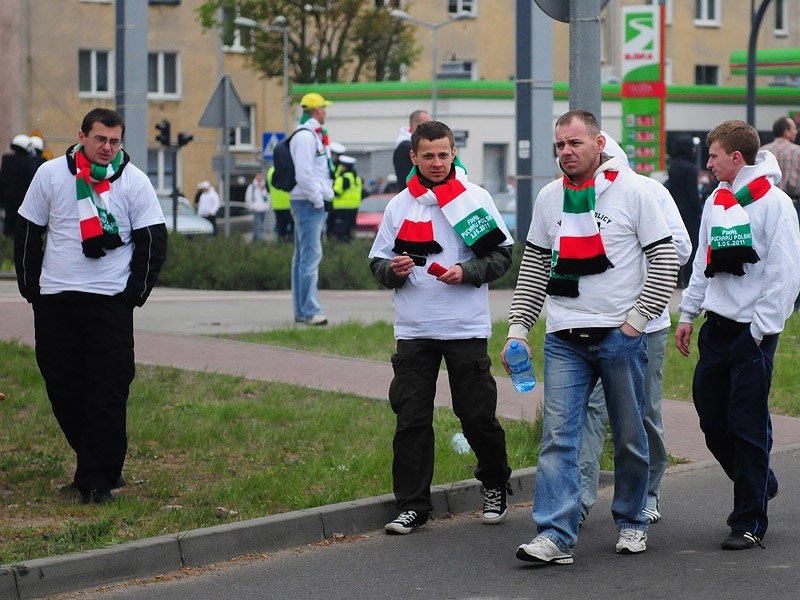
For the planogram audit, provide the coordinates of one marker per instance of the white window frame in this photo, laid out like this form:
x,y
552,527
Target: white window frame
x,y
244,145
159,177
94,92
390,4
719,74
703,20
159,93
469,7
238,46
781,14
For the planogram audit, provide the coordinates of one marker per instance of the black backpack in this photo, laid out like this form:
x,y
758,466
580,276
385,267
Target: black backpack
x,y
284,177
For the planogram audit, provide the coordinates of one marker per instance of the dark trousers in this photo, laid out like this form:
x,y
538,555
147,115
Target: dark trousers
x,y
84,348
284,224
411,394
731,394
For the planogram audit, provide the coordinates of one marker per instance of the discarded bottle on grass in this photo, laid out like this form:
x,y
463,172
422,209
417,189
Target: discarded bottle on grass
x,y
460,443
521,368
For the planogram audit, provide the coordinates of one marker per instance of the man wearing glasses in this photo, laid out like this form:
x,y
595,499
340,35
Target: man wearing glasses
x,y
106,242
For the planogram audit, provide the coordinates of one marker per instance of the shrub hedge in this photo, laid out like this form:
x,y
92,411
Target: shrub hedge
x,y
218,263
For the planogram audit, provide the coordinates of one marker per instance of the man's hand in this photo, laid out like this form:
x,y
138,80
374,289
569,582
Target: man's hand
x,y
503,352
683,337
629,330
402,265
453,276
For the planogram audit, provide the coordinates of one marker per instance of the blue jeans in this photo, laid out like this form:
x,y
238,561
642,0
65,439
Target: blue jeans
x,y
308,224
570,372
258,225
594,431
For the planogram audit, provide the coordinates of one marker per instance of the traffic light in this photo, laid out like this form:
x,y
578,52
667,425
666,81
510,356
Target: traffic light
x,y
232,136
184,138
163,137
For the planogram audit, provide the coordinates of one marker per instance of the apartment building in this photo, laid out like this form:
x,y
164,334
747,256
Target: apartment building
x,y
60,60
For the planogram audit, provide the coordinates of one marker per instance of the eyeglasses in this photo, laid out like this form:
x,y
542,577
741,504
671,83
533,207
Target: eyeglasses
x,y
102,140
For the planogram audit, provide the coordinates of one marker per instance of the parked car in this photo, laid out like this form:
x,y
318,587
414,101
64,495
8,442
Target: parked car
x,y
241,218
370,214
189,222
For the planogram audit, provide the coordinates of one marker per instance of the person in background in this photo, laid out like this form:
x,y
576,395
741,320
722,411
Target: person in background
x,y
347,189
787,153
597,216
746,276
442,314
208,203
657,332
280,200
257,199
682,184
37,151
310,150
16,172
106,243
402,151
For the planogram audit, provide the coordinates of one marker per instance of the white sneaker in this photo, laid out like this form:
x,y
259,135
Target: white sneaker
x,y
543,550
631,541
317,320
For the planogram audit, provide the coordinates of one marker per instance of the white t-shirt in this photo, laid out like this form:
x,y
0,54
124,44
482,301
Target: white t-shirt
x,y
52,202
630,220
425,307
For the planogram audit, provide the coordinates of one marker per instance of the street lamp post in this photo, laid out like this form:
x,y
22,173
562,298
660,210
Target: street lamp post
x,y
283,29
434,27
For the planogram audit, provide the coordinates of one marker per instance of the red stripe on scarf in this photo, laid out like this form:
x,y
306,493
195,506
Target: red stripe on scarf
x,y
568,184
91,228
415,187
725,199
759,187
448,192
416,231
581,247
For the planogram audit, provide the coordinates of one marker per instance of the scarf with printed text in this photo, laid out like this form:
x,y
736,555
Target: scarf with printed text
x,y
326,141
578,248
99,228
731,240
473,223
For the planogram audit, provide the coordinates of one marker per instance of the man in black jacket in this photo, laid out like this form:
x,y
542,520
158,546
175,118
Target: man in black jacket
x,y
16,172
402,152
106,242
683,185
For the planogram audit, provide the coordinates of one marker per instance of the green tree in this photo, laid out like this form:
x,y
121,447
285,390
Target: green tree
x,y
329,41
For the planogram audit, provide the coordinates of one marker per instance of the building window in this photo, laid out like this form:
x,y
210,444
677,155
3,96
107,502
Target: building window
x,y
780,17
401,4
162,75
462,6
95,75
234,38
159,170
706,75
243,138
707,12
173,2
458,69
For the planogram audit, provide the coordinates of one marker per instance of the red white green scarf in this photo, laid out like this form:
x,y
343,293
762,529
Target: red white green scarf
x,y
730,240
99,228
578,248
473,223
326,141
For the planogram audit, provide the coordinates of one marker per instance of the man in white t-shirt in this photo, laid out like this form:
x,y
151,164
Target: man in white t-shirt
x,y
106,242
440,243
600,253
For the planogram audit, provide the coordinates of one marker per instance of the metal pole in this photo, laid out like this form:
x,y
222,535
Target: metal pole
x,y
755,25
585,33
434,81
286,80
174,156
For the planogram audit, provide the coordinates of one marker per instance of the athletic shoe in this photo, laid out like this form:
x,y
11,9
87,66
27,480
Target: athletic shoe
x,y
652,515
495,505
631,541
543,550
406,522
740,540
317,320
98,496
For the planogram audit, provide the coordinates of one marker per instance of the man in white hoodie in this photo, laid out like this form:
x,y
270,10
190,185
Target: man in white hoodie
x,y
746,275
311,155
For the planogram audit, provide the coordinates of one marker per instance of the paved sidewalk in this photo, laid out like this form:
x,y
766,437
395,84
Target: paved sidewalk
x,y
168,332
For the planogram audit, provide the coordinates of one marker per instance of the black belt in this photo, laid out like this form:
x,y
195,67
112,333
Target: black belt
x,y
585,336
725,326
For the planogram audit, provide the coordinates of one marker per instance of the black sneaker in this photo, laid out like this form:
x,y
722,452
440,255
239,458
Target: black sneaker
x,y
406,522
98,496
495,504
740,540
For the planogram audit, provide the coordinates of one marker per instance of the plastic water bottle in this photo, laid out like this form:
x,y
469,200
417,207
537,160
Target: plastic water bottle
x,y
521,368
460,443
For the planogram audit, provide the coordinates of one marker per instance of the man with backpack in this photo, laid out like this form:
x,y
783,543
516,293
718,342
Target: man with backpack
x,y
310,154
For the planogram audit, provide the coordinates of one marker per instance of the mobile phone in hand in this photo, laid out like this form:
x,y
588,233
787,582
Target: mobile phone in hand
x,y
436,269
418,259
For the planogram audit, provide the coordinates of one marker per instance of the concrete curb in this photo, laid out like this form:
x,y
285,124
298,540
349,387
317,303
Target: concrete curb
x,y
156,556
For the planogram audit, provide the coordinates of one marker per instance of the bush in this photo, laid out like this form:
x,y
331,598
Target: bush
x,y
218,263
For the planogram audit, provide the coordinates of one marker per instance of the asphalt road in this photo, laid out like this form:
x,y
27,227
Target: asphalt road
x,y
459,558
